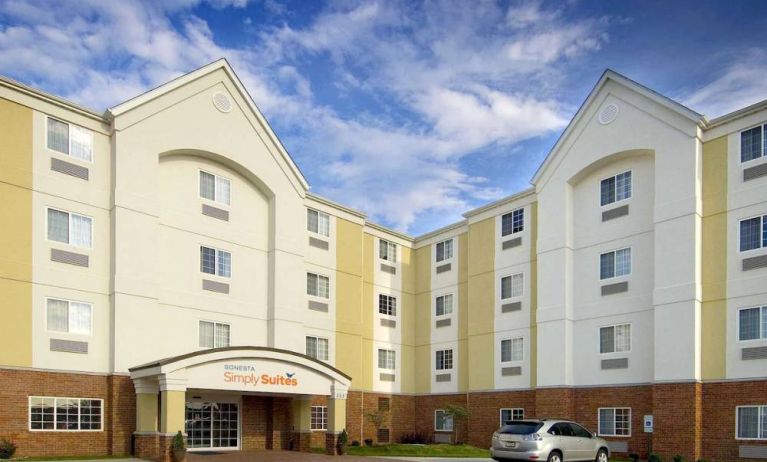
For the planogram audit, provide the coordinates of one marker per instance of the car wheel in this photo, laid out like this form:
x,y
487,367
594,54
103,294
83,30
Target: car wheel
x,y
555,457
601,456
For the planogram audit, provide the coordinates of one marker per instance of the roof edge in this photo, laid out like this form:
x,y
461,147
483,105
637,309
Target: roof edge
x,y
334,204
737,114
53,99
500,202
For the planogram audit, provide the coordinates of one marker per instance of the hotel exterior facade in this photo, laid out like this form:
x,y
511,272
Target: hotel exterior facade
x,y
164,268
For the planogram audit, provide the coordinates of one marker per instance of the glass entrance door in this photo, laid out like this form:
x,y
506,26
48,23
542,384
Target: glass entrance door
x,y
212,425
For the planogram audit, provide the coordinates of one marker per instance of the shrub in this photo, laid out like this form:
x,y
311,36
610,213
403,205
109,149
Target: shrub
x,y
355,443
368,441
634,457
415,438
178,442
655,458
678,458
7,449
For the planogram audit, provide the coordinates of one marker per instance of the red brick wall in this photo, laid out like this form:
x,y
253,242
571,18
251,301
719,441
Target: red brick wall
x,y
639,398
555,403
400,421
424,414
719,403
266,422
485,412
677,411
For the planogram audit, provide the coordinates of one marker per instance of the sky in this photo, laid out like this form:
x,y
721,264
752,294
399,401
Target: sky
x,y
412,112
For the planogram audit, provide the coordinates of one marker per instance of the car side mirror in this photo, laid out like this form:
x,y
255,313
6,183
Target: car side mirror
x,y
593,434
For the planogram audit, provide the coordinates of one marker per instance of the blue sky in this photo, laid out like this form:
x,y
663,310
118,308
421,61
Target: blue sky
x,y
413,112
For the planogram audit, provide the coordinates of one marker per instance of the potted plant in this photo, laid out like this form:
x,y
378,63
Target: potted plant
x,y
343,438
178,446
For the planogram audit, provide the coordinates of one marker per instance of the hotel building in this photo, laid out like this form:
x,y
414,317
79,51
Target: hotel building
x,y
164,268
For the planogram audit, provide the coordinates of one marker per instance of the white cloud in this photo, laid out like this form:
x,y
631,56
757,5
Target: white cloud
x,y
741,83
446,82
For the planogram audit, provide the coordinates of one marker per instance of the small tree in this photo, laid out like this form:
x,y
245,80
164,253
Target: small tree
x,y
457,413
377,418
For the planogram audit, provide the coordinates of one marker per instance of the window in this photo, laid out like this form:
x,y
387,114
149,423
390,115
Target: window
x,y
65,414
753,143
443,422
70,228
444,304
513,222
68,317
753,233
318,222
512,286
752,422
317,348
215,188
319,418
386,359
510,414
615,421
615,263
444,360
752,323
384,404
317,286
214,334
70,140
215,261
512,349
444,250
616,188
387,305
615,339
387,250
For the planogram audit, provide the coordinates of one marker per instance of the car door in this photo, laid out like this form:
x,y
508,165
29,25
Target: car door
x,y
584,443
567,443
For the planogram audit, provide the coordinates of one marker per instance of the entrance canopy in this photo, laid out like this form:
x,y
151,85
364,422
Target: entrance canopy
x,y
244,369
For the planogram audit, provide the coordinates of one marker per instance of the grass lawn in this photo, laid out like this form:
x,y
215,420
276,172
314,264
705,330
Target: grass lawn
x,y
33,459
422,450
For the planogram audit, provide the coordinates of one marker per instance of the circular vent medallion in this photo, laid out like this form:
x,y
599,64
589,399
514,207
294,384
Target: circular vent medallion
x,y
222,102
608,114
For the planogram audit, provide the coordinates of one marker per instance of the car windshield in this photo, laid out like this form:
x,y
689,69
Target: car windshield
x,y
520,428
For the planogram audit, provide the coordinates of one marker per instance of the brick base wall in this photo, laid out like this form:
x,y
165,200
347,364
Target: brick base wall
x,y
400,420
719,401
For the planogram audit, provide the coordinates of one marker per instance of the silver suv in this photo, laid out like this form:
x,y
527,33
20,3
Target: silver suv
x,y
552,440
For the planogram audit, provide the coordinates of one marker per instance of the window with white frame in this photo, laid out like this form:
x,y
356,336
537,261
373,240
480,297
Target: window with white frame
x,y
319,419
386,359
68,317
510,414
317,348
615,421
752,323
317,285
512,349
753,143
616,188
753,233
615,263
387,250
751,422
513,222
214,334
215,188
215,261
444,250
444,359
615,339
512,286
444,305
69,139
70,228
387,305
443,422
65,414
318,222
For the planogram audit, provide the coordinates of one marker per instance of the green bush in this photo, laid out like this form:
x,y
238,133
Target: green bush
x,y
655,458
678,458
7,449
178,442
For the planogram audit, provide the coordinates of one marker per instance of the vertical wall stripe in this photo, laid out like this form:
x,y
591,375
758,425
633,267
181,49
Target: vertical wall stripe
x,y
422,336
533,295
368,314
16,234
463,313
714,260
408,320
481,323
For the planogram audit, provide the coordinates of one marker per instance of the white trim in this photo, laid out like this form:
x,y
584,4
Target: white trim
x,y
524,222
215,189
215,274
54,429
599,186
511,351
443,350
599,422
396,251
511,275
306,288
69,140
452,305
378,359
69,220
604,326
325,419
199,321
452,423
615,251
317,337
318,234
761,247
452,251
737,324
512,409
396,306
763,127
759,422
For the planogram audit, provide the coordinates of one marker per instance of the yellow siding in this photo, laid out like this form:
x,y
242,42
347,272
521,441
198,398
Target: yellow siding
x,y
481,283
350,355
16,234
714,259
408,311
